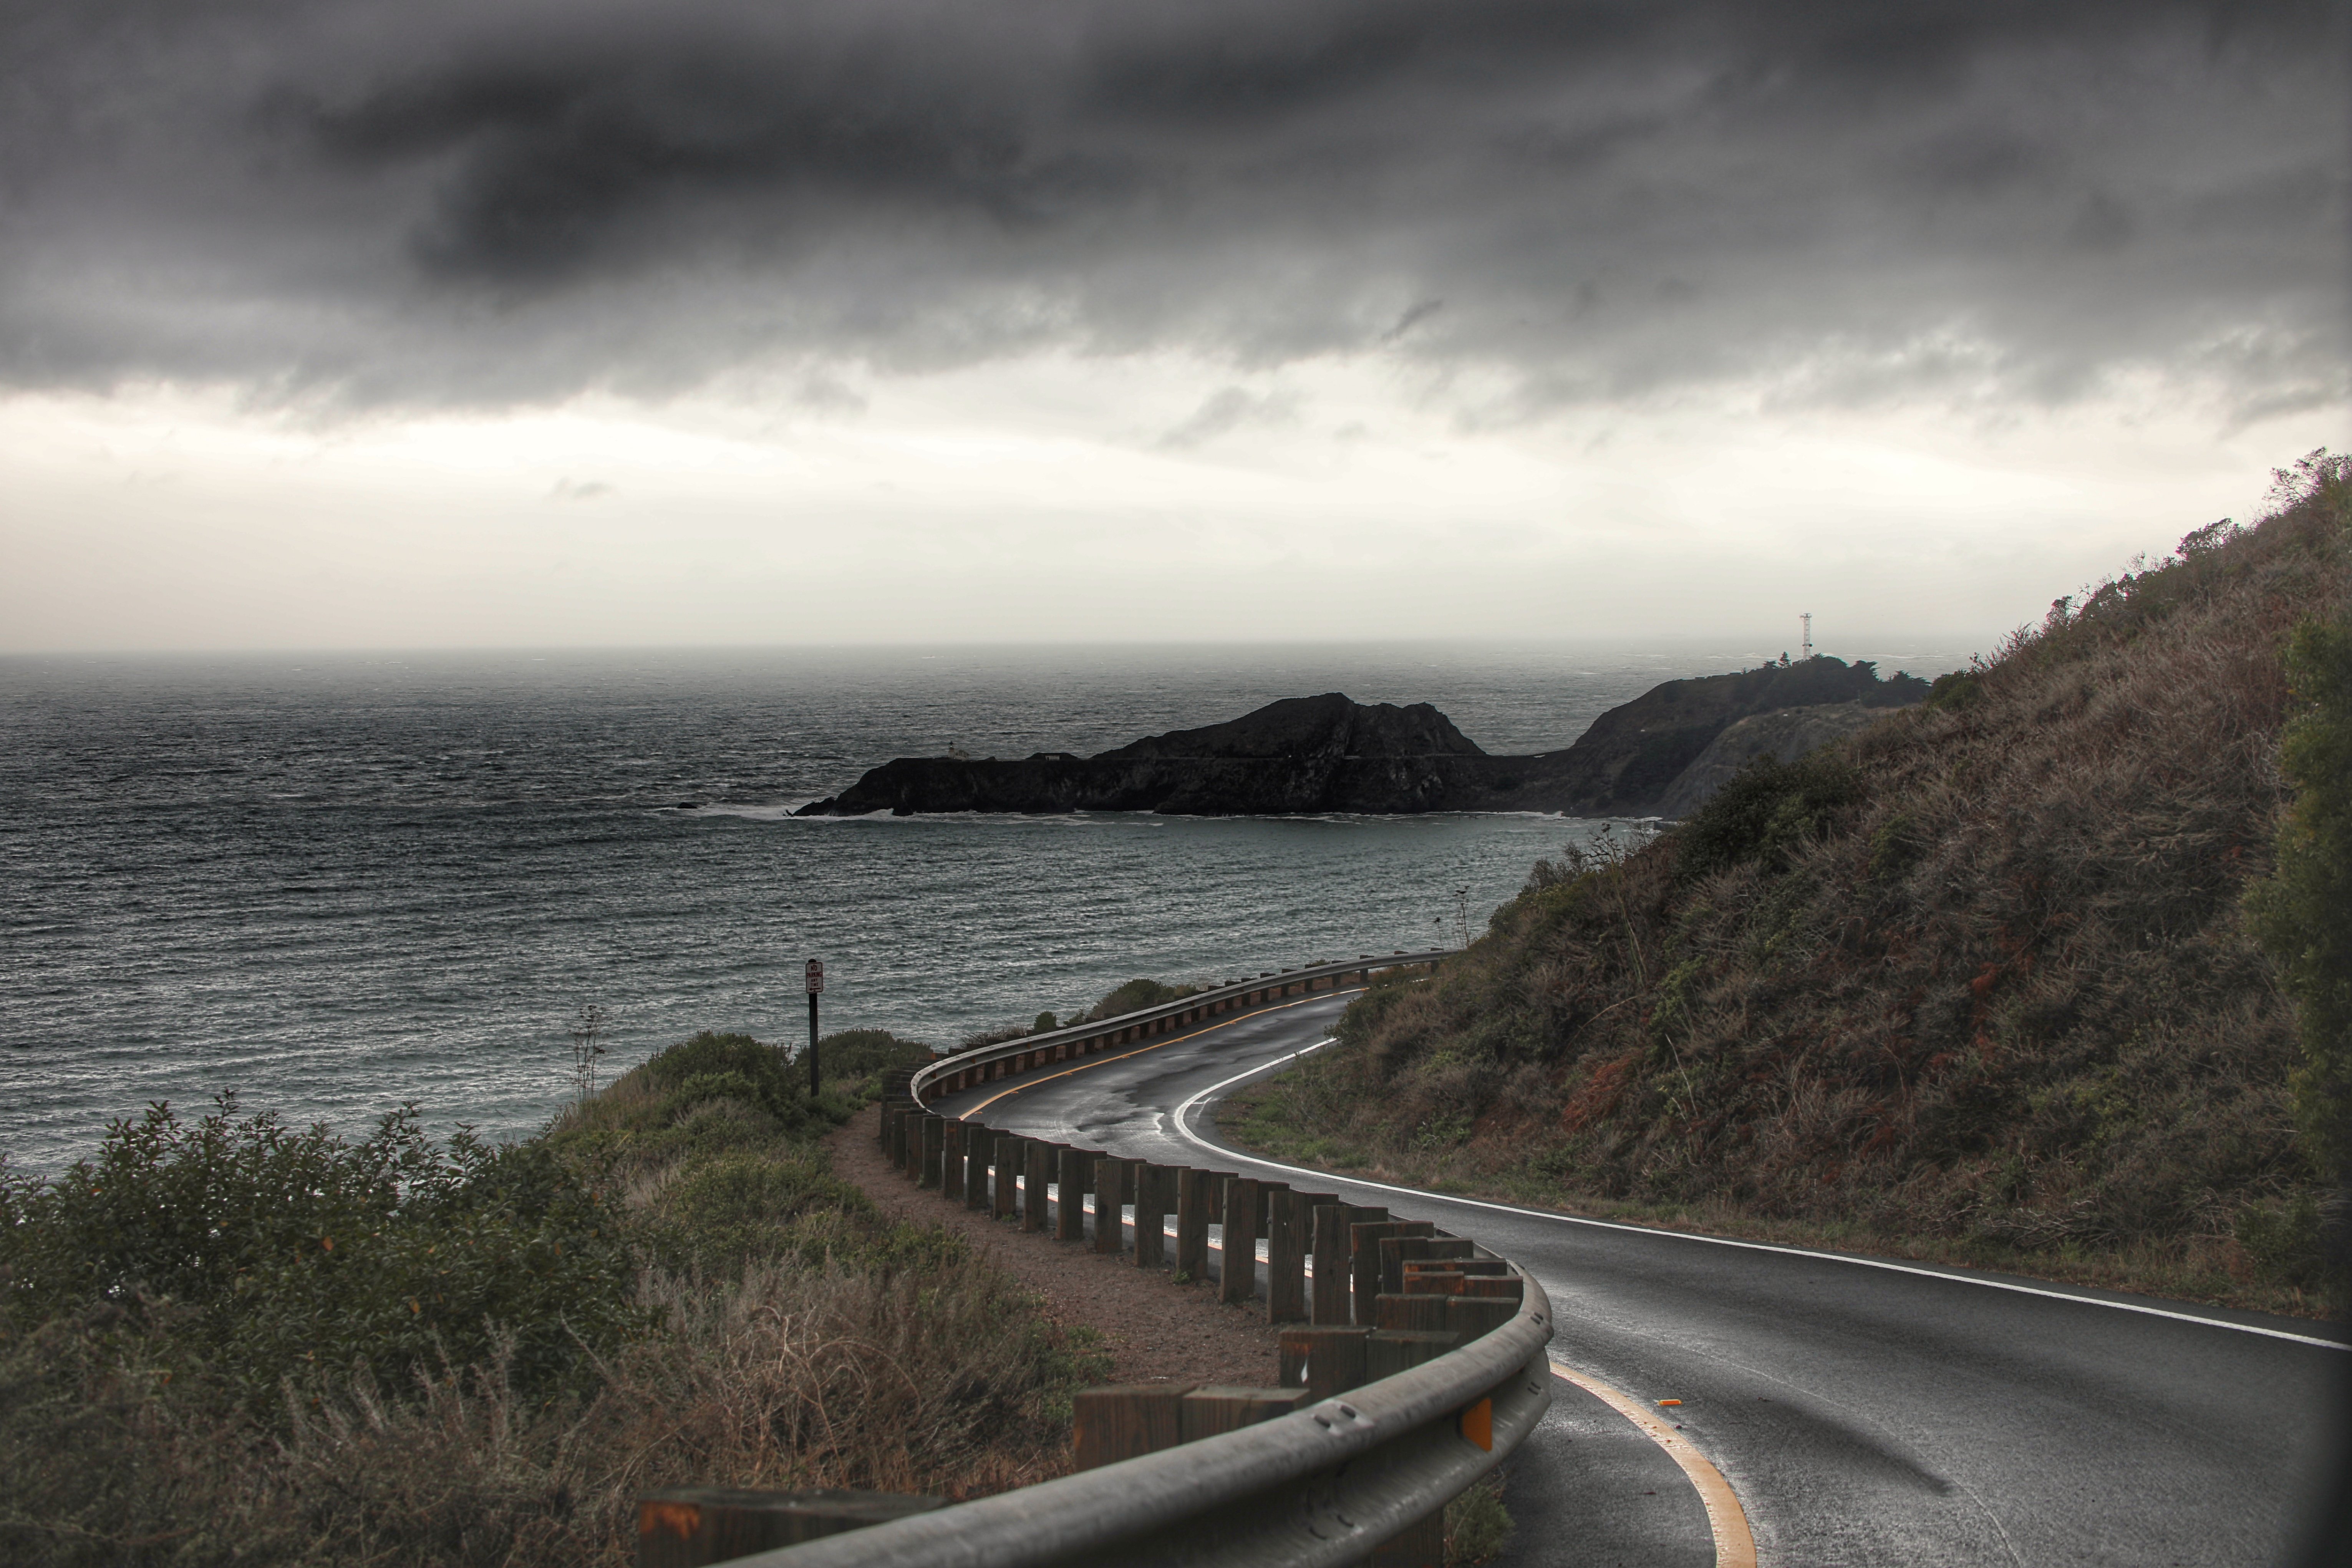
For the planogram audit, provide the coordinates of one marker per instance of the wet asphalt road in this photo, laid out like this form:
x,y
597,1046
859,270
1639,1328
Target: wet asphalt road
x,y
1865,1414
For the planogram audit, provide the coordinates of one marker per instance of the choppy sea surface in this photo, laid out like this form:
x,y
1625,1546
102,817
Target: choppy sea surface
x,y
333,883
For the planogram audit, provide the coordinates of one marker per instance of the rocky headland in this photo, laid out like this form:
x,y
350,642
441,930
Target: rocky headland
x,y
1329,753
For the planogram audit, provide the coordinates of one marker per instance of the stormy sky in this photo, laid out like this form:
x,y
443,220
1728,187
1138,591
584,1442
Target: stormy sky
x,y
431,323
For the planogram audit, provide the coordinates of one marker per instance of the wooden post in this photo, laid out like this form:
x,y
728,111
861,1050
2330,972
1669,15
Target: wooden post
x,y
1038,1158
1287,1238
1432,1277
1237,1267
1151,1183
1324,1360
934,1143
1499,1287
686,1527
1192,1190
1069,1210
1388,1351
951,1134
1125,1420
975,1166
1468,1316
1364,1257
1008,1170
1332,1294
1419,1314
1110,1199
1225,1407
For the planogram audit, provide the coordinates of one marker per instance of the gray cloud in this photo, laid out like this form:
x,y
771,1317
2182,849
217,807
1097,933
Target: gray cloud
x,y
1224,411
434,202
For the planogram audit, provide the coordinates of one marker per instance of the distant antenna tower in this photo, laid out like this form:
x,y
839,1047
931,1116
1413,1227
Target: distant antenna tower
x,y
1807,619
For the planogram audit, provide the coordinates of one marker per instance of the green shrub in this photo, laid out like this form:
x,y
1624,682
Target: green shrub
x,y
723,1067
854,1054
2300,912
247,1252
1138,994
1764,812
1961,688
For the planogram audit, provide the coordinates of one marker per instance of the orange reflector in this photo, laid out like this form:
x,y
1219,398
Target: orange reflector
x,y
1663,1402
681,1519
1479,1425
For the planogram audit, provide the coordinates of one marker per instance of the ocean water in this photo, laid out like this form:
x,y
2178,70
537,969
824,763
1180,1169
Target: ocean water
x,y
332,884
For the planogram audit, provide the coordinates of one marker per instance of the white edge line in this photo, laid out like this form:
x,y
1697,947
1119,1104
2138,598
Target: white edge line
x,y
1184,1132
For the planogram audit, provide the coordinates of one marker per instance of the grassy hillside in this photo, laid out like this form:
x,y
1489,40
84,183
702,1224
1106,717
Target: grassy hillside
x,y
1976,983
229,1341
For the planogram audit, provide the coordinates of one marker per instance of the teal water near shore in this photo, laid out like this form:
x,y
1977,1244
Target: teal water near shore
x,y
329,884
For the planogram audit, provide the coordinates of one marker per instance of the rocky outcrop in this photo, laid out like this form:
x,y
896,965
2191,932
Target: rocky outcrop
x,y
1786,735
1301,754
1328,753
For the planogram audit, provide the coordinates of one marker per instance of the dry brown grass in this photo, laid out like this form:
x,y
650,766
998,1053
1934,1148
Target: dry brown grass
x,y
2004,1006
836,1349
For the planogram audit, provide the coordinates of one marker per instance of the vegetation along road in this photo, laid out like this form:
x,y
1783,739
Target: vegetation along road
x,y
1862,1411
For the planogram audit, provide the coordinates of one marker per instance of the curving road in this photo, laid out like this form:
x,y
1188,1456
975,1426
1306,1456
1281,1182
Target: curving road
x,y
1864,1413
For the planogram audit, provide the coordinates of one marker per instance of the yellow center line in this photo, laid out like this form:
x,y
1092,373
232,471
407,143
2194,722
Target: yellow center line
x,y
1172,1040
1734,1543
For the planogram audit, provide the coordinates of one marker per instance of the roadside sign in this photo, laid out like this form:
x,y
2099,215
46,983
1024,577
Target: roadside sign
x,y
815,975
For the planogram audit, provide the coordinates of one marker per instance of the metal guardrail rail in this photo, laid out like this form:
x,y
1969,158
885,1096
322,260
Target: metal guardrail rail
x,y
950,1073
1321,1487
1317,1488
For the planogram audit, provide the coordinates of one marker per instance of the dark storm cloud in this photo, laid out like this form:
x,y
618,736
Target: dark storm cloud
x,y
439,201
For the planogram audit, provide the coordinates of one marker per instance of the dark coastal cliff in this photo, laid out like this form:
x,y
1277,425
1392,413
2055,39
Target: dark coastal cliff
x,y
1328,753
1300,754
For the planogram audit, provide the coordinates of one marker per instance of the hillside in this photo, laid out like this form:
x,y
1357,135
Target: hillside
x,y
1974,982
225,1339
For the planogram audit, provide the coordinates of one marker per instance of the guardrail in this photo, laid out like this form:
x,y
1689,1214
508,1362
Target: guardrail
x,y
952,1074
1346,1478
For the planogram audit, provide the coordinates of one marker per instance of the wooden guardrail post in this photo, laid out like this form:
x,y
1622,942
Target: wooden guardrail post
x,y
1125,1421
1333,1292
1470,1317
1324,1360
975,1165
1151,1183
687,1527
1110,1200
1396,1251
1396,1310
1364,1258
1008,1168
1286,1237
1221,1407
934,1143
1037,1161
951,1139
1237,1268
1192,1193
1388,1351
1069,1210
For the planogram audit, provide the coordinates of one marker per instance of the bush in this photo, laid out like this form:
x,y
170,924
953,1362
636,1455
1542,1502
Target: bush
x,y
2300,912
1765,811
248,1252
501,1347
1135,994
855,1054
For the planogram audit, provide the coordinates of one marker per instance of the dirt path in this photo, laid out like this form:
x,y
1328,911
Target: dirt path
x,y
1156,1330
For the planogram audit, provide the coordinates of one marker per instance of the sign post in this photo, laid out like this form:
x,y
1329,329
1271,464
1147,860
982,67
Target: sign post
x,y
815,985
